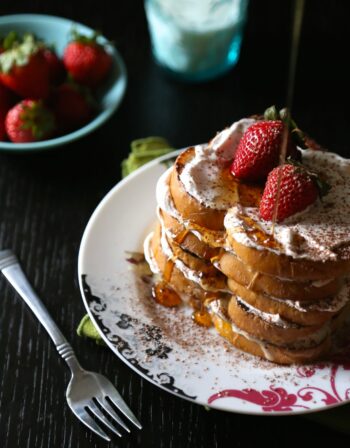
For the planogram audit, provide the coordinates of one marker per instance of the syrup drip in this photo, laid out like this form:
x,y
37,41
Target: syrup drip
x,y
258,235
202,317
200,314
253,280
248,195
195,303
165,295
214,238
168,270
181,236
297,22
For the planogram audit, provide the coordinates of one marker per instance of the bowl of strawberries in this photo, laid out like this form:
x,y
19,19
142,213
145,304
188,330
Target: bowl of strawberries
x,y
59,81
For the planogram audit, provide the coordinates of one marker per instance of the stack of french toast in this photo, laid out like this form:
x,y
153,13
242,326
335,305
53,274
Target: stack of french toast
x,y
257,244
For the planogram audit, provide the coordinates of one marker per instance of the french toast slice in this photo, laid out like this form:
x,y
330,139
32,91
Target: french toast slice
x,y
274,286
193,239
281,265
193,261
270,327
250,344
180,276
189,207
307,313
194,210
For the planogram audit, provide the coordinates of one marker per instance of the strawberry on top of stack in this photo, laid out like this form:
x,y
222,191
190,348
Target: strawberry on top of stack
x,y
244,238
43,96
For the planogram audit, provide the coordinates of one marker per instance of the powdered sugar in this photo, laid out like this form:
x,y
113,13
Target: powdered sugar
x,y
317,233
202,176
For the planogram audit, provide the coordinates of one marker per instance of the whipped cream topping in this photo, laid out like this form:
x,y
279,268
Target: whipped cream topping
x,y
219,308
320,283
306,283
147,250
165,202
202,176
224,144
315,283
163,196
330,304
313,339
322,231
270,318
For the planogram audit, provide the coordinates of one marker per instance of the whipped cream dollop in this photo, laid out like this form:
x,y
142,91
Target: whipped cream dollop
x,y
147,250
328,304
163,195
202,177
270,318
322,231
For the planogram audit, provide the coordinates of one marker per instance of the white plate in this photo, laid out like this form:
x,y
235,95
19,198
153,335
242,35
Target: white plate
x,y
164,346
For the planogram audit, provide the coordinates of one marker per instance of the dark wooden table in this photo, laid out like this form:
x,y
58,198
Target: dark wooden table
x,y
46,200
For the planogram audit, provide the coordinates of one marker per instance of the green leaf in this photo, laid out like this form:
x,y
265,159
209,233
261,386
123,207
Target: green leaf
x,y
297,134
10,40
271,113
84,39
38,119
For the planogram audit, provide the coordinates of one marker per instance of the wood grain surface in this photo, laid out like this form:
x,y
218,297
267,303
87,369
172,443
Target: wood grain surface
x,y
46,200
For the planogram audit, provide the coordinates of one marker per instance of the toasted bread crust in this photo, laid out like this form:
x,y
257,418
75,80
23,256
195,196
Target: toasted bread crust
x,y
261,329
281,265
186,204
233,268
211,282
270,352
186,239
268,305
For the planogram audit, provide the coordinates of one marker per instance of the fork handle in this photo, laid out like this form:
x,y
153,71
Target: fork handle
x,y
10,267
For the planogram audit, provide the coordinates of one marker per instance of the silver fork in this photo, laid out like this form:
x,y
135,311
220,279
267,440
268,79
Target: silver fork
x,y
87,392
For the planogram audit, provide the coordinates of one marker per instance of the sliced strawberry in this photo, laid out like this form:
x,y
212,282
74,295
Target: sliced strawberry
x,y
86,60
72,105
24,69
29,121
298,188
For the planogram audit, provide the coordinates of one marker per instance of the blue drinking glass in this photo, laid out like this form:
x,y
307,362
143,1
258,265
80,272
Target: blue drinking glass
x,y
196,40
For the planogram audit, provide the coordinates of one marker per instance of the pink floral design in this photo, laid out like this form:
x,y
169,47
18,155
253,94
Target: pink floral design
x,y
279,399
274,399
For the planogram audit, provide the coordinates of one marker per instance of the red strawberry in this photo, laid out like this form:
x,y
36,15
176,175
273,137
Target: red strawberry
x,y
258,150
86,60
24,69
299,188
55,64
29,121
72,106
6,101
